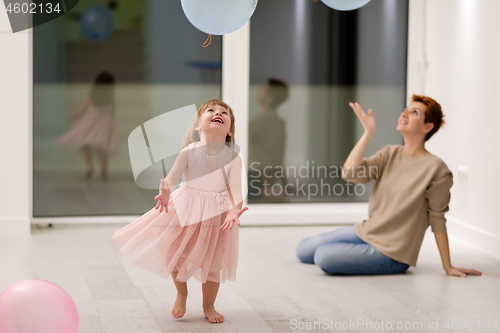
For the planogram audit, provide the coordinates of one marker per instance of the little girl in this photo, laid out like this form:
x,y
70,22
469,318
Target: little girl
x,y
96,130
192,231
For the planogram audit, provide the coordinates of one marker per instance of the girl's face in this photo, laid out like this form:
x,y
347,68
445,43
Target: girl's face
x,y
216,120
412,120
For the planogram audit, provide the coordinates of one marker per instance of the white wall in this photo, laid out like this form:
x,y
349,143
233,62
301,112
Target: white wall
x,y
15,133
459,39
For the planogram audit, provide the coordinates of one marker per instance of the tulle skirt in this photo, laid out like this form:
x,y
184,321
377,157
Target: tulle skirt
x,y
95,129
157,242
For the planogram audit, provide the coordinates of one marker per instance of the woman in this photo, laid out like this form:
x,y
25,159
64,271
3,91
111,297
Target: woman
x,y
411,193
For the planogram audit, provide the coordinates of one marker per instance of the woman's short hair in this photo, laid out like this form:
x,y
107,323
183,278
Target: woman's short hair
x,y
278,89
433,114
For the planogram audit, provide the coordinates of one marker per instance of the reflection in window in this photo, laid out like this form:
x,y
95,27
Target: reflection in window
x,y
89,94
307,62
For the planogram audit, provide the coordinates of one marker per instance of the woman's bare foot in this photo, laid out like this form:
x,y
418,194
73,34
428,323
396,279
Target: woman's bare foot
x,y
213,316
180,306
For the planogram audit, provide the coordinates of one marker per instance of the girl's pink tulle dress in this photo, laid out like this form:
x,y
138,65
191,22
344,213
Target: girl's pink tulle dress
x,y
95,129
187,237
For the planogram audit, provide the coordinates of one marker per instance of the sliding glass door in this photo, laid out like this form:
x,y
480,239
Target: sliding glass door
x,y
307,62
152,62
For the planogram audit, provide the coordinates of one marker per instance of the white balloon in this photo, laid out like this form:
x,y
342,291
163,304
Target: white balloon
x,y
218,17
345,5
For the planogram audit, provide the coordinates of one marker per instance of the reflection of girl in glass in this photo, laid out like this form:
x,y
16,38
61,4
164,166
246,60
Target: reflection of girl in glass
x,y
95,132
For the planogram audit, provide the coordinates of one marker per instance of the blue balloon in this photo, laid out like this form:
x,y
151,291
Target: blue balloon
x,y
218,17
97,22
345,4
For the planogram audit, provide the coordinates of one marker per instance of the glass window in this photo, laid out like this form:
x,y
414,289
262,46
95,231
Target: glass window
x,y
307,62
91,90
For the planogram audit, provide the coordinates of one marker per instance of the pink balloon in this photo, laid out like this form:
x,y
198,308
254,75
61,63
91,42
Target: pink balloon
x,y
37,306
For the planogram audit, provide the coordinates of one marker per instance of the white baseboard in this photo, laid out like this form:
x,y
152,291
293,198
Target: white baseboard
x,y
257,215
14,226
286,214
304,214
475,237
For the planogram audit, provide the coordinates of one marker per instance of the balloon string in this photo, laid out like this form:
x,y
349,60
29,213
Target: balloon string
x,y
209,40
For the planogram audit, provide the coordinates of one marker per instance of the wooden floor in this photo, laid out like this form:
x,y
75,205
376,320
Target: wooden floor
x,y
273,292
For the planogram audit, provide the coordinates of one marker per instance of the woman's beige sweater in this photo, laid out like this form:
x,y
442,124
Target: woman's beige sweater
x,y
410,193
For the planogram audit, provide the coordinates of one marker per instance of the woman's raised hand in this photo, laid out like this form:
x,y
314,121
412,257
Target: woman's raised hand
x,y
163,197
368,122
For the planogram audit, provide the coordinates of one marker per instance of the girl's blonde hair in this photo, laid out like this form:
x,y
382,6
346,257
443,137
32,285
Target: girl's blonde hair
x,y
193,136
102,91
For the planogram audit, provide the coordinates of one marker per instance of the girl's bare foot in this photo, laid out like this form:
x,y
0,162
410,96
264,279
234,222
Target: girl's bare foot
x,y
104,176
88,174
213,316
180,306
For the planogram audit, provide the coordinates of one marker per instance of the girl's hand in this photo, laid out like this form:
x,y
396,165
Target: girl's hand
x,y
163,197
462,272
232,217
76,114
368,122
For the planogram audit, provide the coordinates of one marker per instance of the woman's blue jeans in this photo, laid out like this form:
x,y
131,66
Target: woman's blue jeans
x,y
342,252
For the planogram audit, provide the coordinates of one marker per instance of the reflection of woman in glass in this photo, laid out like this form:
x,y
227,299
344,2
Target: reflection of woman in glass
x,y
95,132
411,193
267,136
